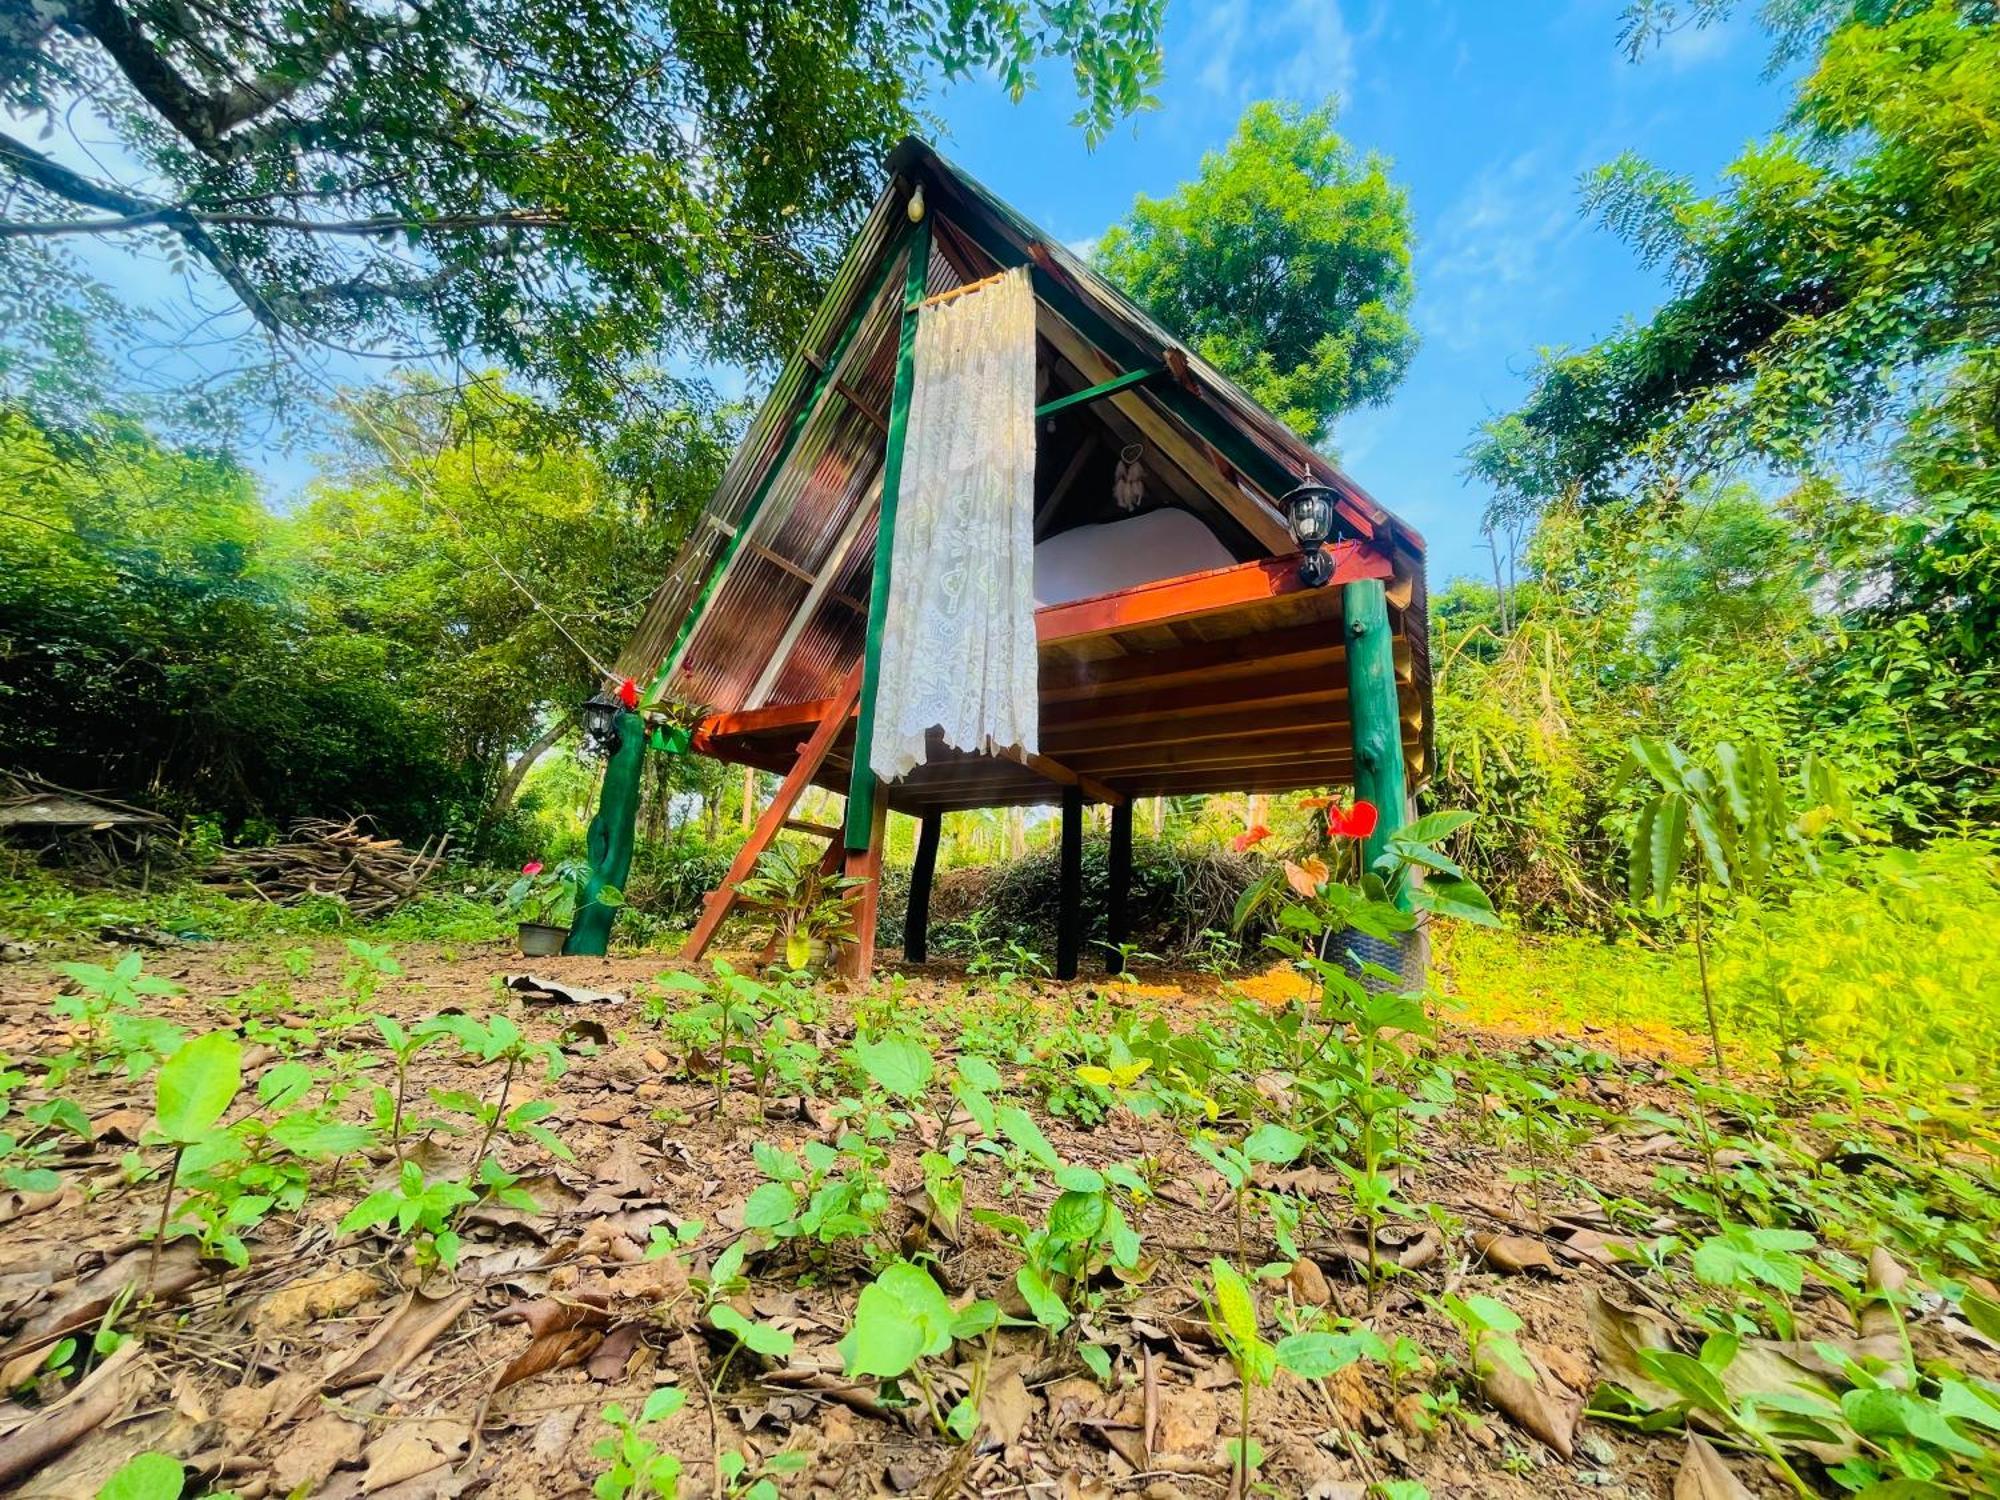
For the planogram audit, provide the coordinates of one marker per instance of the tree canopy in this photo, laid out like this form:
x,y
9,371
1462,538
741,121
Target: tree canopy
x,y
1285,262
561,188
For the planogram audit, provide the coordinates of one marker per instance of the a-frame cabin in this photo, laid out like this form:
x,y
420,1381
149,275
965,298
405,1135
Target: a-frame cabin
x,y
1181,650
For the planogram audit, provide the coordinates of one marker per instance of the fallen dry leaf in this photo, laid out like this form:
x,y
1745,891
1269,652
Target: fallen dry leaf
x,y
398,1338
314,1450
105,1392
408,1449
1514,1254
1704,1476
549,1351
1544,1408
1009,1406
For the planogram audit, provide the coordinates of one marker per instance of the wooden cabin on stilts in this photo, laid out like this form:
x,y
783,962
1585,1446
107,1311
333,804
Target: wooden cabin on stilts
x,y
1215,607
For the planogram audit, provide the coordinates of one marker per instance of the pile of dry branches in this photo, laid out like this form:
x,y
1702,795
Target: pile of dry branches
x,y
325,858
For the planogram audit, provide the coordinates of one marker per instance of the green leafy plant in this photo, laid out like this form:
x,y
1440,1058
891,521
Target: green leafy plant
x,y
422,1211
192,1092
1743,827
806,904
639,1466
902,1319
101,994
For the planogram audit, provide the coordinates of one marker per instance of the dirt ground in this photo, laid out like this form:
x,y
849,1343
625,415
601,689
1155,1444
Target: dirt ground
x,y
330,1367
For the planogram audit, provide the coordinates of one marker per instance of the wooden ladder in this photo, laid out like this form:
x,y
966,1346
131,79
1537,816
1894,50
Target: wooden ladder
x,y
777,815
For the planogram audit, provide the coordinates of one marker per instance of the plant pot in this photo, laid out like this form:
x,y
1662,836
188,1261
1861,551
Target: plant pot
x,y
1407,954
539,940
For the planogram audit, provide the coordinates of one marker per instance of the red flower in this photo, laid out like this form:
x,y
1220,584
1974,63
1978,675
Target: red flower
x,y
1254,835
532,867
628,693
1356,822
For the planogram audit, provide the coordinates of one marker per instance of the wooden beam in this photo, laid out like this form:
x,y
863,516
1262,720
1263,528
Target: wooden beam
x,y
917,915
1069,893
1064,480
1246,695
1118,895
1061,775
776,811
817,830
1096,392
853,398
1201,462
781,562
1196,594
1222,725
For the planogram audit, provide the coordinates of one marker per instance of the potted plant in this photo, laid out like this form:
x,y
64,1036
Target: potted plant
x,y
811,911
544,901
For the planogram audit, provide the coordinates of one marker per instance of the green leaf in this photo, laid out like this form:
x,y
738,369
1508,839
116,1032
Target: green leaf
x,y
898,1065
1079,1180
1314,1356
901,1317
1075,1218
149,1476
1274,1145
195,1086
978,1073
1097,1359
1234,1303
1659,843
1048,1309
663,1403
759,1337
772,1204
1016,1125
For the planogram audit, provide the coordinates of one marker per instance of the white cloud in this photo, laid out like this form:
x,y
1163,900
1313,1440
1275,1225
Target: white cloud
x,y
1253,49
1489,263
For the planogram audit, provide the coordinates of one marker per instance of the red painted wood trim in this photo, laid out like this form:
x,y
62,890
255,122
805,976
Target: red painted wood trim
x,y
1197,594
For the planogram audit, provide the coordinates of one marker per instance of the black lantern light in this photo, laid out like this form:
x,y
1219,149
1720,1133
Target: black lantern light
x,y
1309,511
600,724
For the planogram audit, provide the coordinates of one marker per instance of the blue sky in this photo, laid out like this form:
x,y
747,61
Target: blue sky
x,y
1489,114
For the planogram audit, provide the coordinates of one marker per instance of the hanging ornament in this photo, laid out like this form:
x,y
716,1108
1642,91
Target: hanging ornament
x,y
1128,482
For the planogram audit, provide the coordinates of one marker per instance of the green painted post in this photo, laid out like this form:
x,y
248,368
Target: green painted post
x,y
1378,717
609,842
861,781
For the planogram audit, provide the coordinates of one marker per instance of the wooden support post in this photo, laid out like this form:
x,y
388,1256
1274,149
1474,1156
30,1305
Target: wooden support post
x,y
609,841
1378,720
812,755
917,916
1069,897
1117,916
865,865
861,782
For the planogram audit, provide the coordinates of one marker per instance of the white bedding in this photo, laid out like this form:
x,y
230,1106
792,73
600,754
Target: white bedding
x,y
1164,543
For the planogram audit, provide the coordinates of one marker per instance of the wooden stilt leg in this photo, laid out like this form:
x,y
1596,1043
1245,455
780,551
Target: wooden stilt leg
x,y
1069,901
812,755
866,865
1117,916
917,917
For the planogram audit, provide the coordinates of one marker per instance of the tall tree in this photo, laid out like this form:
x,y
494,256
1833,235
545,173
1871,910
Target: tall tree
x,y
1285,262
1845,275
557,186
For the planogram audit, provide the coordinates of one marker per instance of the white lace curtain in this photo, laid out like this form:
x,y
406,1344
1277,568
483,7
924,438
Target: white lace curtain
x,y
958,650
